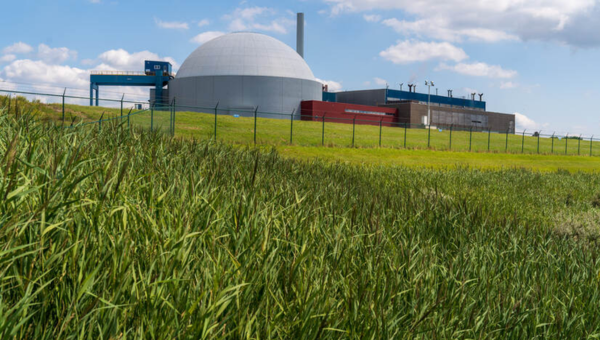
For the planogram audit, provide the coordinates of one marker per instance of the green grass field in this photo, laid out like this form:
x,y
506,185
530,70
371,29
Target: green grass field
x,y
125,234
307,140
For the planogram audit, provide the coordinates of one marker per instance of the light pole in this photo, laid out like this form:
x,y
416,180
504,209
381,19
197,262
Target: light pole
x,y
401,86
429,84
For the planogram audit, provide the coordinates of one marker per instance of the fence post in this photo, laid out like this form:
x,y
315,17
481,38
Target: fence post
x,y
506,147
255,113
100,122
579,147
171,119
63,106
123,97
450,145
380,128
215,134
591,143
538,141
323,132
553,142
429,137
174,114
470,138
523,142
152,117
353,129
405,135
292,126
9,100
566,143
489,138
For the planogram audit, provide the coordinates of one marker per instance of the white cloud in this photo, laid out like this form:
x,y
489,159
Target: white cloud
x,y
171,25
7,58
572,22
18,48
506,85
405,52
95,1
259,19
55,55
380,81
372,17
206,37
29,71
438,28
525,123
480,70
122,60
333,86
203,22
45,77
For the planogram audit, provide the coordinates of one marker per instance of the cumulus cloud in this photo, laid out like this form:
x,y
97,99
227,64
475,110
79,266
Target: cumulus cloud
x,y
171,25
29,71
380,81
572,22
47,76
438,28
259,19
203,22
479,70
55,55
525,123
7,58
121,60
405,52
333,86
372,17
206,37
18,48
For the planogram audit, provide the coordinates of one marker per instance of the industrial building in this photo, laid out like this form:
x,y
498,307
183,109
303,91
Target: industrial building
x,y
412,109
242,73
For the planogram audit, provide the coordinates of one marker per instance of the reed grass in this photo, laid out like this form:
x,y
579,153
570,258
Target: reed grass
x,y
117,234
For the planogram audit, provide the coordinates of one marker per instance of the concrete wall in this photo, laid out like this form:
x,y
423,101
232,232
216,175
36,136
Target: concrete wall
x,y
413,113
242,94
366,97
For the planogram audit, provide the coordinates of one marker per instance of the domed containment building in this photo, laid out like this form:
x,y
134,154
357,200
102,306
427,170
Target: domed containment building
x,y
244,71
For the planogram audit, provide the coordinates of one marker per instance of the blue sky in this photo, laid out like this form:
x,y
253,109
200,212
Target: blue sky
x,y
537,58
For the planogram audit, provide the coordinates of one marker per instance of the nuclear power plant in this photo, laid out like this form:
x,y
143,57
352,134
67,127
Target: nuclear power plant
x,y
243,72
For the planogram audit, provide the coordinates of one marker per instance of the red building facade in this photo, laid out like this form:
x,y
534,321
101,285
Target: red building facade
x,y
314,110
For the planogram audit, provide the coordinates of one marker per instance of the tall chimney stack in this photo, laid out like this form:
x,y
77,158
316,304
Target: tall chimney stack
x,y
300,35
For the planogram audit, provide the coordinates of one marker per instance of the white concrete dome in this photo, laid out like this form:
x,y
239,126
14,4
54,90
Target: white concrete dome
x,y
245,54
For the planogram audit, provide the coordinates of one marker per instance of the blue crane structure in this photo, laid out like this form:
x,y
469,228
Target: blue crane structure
x,y
157,74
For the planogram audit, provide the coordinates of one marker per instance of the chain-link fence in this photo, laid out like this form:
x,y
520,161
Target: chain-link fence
x,y
252,126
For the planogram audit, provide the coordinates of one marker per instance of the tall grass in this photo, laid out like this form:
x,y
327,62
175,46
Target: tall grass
x,y
114,234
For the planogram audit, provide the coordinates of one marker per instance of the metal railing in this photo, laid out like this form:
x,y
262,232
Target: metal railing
x,y
117,73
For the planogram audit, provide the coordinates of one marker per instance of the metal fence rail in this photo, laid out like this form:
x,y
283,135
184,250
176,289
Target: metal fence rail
x,y
403,135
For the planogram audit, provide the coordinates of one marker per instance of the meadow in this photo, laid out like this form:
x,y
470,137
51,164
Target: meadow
x,y
333,141
280,132
119,233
